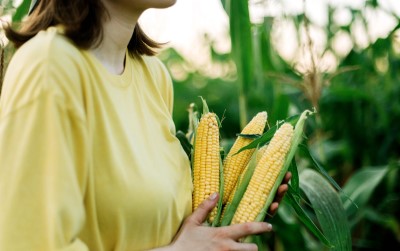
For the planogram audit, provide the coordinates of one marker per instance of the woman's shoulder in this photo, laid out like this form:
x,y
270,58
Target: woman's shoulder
x,y
157,68
47,45
46,65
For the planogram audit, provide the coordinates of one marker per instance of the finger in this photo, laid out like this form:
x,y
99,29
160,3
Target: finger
x,y
273,209
200,214
244,246
238,231
287,178
282,189
280,193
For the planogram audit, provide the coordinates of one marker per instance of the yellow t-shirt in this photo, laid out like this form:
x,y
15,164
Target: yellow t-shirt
x,y
88,160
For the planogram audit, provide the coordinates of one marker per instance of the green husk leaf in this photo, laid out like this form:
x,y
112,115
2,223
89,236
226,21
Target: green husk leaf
x,y
187,147
221,194
259,240
205,106
328,208
249,136
193,121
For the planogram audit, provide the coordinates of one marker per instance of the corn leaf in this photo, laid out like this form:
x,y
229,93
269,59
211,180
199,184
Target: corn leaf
x,y
361,185
293,200
187,147
328,209
294,181
21,11
259,240
318,167
241,37
248,136
242,50
225,5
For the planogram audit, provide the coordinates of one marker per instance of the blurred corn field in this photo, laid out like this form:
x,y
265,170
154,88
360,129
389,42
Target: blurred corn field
x,y
349,76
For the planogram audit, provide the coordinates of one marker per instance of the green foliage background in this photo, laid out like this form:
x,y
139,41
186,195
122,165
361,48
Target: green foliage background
x,y
355,134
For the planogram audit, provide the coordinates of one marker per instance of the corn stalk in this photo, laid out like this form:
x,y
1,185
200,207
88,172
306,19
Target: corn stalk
x,y
242,50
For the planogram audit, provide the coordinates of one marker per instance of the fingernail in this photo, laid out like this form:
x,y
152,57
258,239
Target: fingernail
x,y
269,227
213,196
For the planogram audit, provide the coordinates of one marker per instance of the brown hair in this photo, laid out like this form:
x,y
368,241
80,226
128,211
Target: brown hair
x,y
82,21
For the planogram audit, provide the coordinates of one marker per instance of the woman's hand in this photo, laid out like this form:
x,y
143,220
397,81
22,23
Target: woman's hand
x,y
280,193
195,236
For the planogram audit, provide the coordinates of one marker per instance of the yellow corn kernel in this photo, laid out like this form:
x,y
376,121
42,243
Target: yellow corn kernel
x,y
206,163
260,153
264,176
235,163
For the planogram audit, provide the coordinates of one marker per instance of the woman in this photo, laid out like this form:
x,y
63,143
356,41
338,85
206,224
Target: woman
x,y
88,154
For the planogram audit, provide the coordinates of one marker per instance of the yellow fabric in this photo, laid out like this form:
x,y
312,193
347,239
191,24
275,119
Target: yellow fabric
x,y
88,160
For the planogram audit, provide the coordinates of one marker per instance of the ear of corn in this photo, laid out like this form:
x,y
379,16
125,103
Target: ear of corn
x,y
265,176
234,198
258,154
206,163
235,163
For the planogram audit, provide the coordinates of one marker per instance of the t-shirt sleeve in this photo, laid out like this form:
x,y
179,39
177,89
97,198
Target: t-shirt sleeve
x,y
164,81
43,162
169,88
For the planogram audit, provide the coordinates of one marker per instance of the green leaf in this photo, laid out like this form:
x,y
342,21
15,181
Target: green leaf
x,y
318,167
248,136
328,208
225,4
21,11
242,50
241,37
205,106
187,147
294,181
361,185
259,241
294,202
221,194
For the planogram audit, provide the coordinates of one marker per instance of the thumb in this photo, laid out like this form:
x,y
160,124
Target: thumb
x,y
201,212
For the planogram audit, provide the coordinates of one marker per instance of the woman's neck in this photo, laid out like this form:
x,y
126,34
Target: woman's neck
x,y
118,28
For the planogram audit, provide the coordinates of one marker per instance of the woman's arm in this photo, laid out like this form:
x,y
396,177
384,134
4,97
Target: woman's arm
x,y
43,153
42,178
